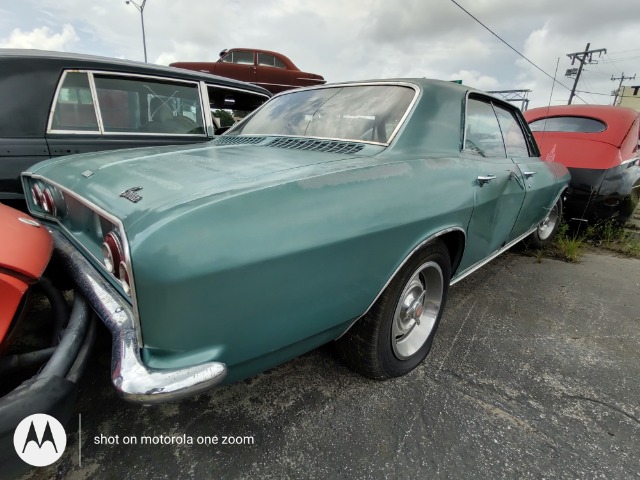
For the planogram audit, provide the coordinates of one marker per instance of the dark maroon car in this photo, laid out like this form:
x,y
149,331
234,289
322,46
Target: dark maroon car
x,y
270,70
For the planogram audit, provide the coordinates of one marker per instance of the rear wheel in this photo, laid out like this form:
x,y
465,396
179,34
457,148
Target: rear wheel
x,y
547,229
396,334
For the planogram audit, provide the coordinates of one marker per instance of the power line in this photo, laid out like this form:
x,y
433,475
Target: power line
x,y
625,51
508,45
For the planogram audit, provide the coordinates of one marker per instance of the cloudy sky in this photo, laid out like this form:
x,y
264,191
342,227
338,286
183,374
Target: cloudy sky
x,y
357,39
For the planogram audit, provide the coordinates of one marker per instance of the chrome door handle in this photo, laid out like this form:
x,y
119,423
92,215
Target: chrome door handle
x,y
482,179
529,174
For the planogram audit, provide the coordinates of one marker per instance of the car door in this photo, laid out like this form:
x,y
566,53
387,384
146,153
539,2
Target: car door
x,y
498,189
538,180
273,74
238,64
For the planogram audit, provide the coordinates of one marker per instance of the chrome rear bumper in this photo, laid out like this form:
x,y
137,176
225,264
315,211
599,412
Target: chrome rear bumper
x,y
133,380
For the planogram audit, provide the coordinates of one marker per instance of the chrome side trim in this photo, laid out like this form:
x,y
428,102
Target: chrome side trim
x,y
476,266
481,263
631,160
133,380
406,259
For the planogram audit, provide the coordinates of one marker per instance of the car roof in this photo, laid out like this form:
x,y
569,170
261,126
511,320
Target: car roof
x,y
618,119
26,94
78,60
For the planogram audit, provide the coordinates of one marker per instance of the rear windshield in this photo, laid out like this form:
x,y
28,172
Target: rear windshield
x,y
369,113
568,124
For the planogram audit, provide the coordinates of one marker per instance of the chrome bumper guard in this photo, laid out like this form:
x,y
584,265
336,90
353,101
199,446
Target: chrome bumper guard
x,y
133,380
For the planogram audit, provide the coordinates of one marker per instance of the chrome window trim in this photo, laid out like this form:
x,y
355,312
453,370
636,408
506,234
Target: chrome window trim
x,y
489,99
205,106
96,104
407,112
402,264
114,220
213,85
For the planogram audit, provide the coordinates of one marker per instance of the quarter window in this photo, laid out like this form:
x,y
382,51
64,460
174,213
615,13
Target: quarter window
x,y
482,131
74,109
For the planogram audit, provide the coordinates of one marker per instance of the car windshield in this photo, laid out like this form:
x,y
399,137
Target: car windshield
x,y
369,113
568,124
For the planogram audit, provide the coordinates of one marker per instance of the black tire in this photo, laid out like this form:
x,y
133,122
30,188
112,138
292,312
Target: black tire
x,y
546,231
376,346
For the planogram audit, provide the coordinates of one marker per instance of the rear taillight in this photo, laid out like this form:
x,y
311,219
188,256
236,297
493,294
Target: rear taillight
x,y
112,252
114,260
37,196
123,273
48,202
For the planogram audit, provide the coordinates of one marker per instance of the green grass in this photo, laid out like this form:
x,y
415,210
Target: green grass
x,y
613,236
569,245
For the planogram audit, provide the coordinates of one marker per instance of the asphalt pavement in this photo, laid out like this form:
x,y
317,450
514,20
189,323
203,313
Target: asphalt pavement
x,y
533,374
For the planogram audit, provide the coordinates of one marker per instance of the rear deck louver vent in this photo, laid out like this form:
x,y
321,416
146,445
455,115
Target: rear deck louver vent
x,y
237,140
329,146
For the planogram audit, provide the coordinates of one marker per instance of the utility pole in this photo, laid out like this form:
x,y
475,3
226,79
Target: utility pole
x,y
622,78
582,57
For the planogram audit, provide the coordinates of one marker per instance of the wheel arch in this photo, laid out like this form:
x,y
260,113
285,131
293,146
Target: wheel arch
x,y
454,239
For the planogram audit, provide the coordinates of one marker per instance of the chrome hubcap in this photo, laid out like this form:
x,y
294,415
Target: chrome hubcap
x,y
417,310
548,224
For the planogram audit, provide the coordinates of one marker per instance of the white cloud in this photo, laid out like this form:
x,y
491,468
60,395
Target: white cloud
x,y
356,40
476,80
42,38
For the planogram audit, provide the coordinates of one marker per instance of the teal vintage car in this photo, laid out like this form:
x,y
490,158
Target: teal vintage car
x,y
341,212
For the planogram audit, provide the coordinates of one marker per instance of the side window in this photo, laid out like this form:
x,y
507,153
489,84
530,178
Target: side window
x,y
243,58
240,57
270,61
514,138
73,108
267,60
142,105
482,132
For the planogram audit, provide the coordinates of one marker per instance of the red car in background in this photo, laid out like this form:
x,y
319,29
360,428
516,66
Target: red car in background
x,y
599,146
271,70
41,375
